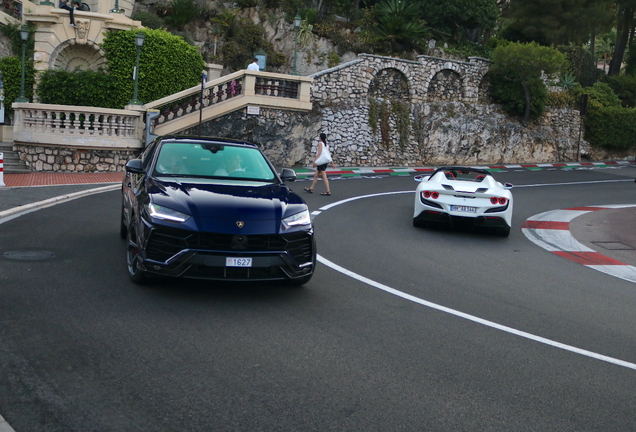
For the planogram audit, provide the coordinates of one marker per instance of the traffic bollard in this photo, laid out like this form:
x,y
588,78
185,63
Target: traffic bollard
x,y
2,170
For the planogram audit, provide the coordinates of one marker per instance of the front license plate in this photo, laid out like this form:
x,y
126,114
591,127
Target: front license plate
x,y
238,262
464,209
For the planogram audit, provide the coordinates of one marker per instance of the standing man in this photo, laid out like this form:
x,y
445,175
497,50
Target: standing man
x,y
254,65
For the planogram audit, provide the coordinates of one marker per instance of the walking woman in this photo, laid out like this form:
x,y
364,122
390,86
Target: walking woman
x,y
322,159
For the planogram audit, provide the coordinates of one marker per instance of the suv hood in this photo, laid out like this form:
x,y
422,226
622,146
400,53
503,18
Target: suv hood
x,y
220,207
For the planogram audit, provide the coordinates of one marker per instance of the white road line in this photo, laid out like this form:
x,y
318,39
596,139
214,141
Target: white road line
x,y
15,212
457,313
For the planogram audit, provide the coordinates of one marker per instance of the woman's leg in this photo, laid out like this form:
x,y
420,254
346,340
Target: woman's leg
x,y
313,183
324,179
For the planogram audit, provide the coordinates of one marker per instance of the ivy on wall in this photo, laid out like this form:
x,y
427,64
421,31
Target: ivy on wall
x,y
380,112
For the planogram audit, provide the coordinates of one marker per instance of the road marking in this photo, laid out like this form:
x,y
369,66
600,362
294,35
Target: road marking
x,y
550,231
15,212
457,313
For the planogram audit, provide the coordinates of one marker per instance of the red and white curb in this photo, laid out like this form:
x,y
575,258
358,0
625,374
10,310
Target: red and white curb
x,y
551,231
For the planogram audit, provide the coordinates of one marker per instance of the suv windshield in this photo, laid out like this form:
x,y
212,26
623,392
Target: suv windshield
x,y
215,160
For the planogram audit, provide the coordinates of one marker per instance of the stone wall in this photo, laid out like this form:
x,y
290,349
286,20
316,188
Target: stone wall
x,y
447,120
39,158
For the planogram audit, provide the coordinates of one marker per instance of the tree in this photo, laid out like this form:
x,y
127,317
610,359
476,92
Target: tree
x,y
525,63
399,24
459,17
559,22
624,27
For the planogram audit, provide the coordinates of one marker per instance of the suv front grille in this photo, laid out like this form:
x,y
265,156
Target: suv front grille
x,y
166,242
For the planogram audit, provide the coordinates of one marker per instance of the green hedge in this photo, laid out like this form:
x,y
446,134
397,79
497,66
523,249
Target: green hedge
x,y
81,88
611,127
11,68
625,88
167,65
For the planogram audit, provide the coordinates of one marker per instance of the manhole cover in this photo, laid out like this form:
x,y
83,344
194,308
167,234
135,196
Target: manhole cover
x,y
29,255
614,245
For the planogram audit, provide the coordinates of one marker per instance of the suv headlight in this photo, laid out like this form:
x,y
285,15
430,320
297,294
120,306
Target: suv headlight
x,y
165,213
302,218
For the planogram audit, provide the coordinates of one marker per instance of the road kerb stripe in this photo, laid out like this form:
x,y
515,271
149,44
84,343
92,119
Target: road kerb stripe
x,y
550,230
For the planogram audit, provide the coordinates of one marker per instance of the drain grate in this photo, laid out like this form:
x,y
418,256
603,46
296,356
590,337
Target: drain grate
x,y
29,255
614,245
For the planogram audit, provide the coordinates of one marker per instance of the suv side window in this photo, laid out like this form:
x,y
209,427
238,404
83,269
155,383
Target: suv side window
x,y
147,154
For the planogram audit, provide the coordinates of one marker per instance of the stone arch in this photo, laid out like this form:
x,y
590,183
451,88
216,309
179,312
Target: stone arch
x,y
71,55
390,83
483,92
446,85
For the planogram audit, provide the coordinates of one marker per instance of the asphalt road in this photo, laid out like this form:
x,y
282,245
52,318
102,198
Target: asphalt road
x,y
84,349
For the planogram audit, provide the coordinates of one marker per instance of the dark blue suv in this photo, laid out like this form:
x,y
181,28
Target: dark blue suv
x,y
213,208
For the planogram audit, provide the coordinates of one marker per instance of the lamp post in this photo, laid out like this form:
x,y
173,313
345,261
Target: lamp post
x,y
24,35
116,8
296,26
139,41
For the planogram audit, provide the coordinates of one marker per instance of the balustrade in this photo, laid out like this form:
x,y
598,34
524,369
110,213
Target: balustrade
x,y
58,124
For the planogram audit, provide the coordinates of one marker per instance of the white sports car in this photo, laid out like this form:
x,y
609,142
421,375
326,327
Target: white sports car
x,y
463,197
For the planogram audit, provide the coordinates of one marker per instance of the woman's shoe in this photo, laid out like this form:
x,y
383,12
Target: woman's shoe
x,y
309,190
325,193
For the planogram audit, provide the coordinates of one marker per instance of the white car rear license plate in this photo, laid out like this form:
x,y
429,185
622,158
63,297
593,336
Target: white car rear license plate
x,y
238,262
464,209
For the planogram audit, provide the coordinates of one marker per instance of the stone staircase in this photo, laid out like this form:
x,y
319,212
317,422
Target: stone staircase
x,y
12,162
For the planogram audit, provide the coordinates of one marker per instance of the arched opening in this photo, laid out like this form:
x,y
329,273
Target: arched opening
x,y
389,84
71,56
445,86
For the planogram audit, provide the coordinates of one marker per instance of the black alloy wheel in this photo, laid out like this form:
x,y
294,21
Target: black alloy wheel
x,y
132,256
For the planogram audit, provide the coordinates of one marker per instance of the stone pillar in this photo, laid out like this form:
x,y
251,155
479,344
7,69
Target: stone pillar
x,y
214,71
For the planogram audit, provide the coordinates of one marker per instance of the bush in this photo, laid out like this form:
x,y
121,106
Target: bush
x,y
11,68
510,95
181,12
612,127
582,64
82,88
625,88
149,20
562,99
167,65
238,52
599,95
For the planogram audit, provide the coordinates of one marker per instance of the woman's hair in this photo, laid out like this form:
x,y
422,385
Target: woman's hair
x,y
323,138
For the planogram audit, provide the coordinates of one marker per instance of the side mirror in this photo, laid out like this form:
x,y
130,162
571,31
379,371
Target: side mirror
x,y
507,185
134,166
420,178
288,174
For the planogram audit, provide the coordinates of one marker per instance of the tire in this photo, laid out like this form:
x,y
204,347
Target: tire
x,y
504,232
132,257
418,223
122,226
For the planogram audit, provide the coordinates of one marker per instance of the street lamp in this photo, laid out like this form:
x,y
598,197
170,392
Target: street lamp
x,y
116,8
296,26
24,35
139,41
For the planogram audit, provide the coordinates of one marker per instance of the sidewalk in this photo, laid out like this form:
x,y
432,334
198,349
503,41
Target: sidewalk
x,y
54,178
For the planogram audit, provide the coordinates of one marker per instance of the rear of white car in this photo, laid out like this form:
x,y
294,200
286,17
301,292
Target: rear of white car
x,y
463,197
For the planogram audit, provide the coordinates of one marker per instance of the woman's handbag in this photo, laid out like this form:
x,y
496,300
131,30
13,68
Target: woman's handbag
x,y
325,156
